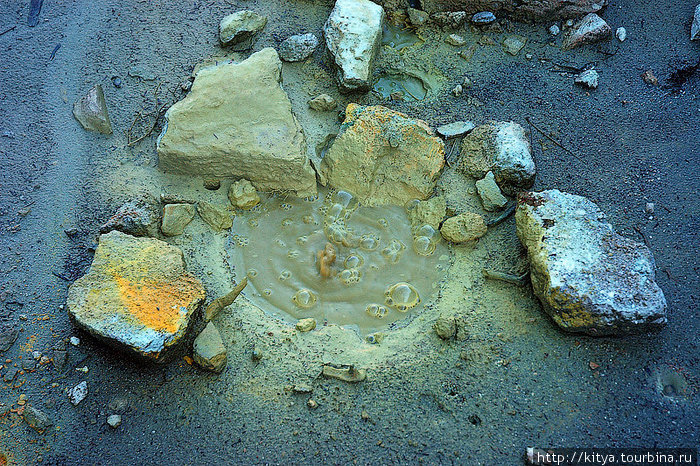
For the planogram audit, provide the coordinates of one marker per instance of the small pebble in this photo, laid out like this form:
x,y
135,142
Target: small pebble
x,y
23,317
36,355
554,30
649,78
117,81
466,82
75,341
22,399
569,23
457,91
621,34
312,404
649,208
114,420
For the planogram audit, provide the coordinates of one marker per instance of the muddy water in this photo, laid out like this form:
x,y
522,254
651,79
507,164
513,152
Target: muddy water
x,y
384,270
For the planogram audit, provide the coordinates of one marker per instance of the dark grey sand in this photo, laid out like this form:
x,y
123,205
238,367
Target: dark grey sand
x,y
519,381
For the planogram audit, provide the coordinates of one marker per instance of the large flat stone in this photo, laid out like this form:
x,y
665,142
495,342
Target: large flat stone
x,y
136,296
383,157
588,278
237,122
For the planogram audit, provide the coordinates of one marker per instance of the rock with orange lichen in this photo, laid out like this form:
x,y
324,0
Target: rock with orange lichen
x,y
136,296
383,157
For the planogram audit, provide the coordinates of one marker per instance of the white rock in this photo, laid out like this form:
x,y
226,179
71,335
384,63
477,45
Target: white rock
x,y
588,78
238,29
554,30
695,27
78,393
75,341
621,34
114,420
353,33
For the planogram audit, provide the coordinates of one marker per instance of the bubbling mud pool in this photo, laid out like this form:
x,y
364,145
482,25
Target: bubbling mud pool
x,y
329,258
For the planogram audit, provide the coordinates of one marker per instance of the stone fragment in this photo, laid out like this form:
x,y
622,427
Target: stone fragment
x,y
621,34
592,28
514,44
137,217
344,372
501,147
218,218
36,419
491,197
78,393
209,351
114,420
175,218
212,184
323,103
243,195
649,78
455,130
239,28
136,296
483,17
8,335
445,327
91,111
353,33
306,325
383,157
464,228
695,27
298,47
10,374
456,40
428,212
418,18
302,388
588,78
59,359
588,278
237,122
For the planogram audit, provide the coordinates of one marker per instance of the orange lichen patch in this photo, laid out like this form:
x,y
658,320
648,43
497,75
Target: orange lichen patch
x,y
188,360
29,345
157,304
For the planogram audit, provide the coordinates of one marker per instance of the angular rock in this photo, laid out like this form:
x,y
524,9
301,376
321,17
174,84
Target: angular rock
x,y
455,40
323,103
491,197
91,111
383,157
306,325
10,374
621,34
523,10
175,218
455,129
78,393
36,419
592,28
114,420
344,372
588,78
136,296
418,18
588,278
695,27
217,218
243,195
501,147
428,212
209,351
237,122
353,33
463,228
514,44
8,335
298,47
237,29
138,217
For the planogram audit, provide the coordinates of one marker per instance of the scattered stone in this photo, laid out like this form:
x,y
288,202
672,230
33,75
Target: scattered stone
x,y
588,278
10,374
217,218
486,41
142,72
117,82
118,404
238,29
243,195
383,157
71,232
588,78
346,373
569,23
483,18
445,327
491,197
695,27
8,336
649,208
237,122
212,184
36,419
449,19
175,218
78,393
256,355
418,18
298,47
137,296
375,338
312,404
592,28
466,83
302,388
353,33
428,212
456,129
75,341
138,217
501,147
514,44
306,325
91,111
36,355
59,359
457,90
323,103
649,78
209,351
621,34
464,228
456,40
114,420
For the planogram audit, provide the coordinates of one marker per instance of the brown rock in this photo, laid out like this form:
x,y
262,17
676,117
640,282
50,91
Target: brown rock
x,y
592,28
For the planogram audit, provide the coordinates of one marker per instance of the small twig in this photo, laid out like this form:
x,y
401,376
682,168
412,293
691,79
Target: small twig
x,y
507,213
529,120
219,303
641,233
8,30
520,280
53,52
